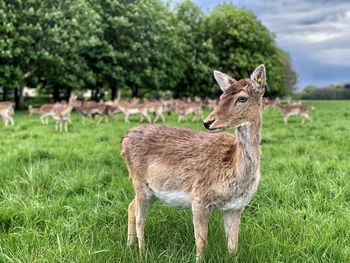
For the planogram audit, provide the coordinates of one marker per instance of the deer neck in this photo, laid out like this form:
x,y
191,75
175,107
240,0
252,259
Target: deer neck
x,y
249,142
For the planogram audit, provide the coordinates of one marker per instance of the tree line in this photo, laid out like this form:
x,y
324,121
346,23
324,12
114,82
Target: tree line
x,y
331,92
143,48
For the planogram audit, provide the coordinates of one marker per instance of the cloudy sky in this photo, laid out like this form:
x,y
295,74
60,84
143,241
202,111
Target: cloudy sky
x,y
316,33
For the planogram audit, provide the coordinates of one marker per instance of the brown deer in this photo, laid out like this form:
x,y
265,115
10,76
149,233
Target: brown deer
x,y
6,113
61,115
198,170
156,107
90,109
133,107
294,109
185,108
45,111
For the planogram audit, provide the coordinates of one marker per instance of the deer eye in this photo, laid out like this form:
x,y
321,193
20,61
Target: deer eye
x,y
242,99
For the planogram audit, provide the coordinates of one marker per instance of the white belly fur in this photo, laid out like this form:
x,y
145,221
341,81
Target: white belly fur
x,y
173,198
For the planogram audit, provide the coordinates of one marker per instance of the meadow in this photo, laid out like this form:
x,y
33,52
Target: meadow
x,y
64,197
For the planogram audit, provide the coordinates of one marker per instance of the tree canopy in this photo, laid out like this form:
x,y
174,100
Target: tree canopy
x,y
140,47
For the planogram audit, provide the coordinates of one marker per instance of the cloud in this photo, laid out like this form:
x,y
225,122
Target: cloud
x,y
315,32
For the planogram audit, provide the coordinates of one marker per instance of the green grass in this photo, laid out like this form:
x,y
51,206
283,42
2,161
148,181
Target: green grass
x,y
64,197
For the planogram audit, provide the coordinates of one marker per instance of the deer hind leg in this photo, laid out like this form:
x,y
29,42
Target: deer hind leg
x,y
42,119
126,118
12,121
231,222
162,117
200,223
144,199
61,125
285,119
148,117
66,126
179,119
57,125
132,223
307,117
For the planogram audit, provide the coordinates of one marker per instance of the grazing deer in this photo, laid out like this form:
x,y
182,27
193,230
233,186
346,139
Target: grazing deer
x,y
184,108
6,113
133,107
45,111
294,109
90,109
155,107
198,170
61,115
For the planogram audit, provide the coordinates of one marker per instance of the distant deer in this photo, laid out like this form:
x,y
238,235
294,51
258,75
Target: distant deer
x,y
134,107
185,108
156,107
61,115
6,113
294,109
198,170
45,111
90,109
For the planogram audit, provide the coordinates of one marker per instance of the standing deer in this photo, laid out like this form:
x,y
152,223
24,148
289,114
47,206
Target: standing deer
x,y
198,170
45,111
61,115
6,113
185,108
294,109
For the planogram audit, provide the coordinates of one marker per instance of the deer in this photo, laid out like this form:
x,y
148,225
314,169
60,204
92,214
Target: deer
x,y
133,107
200,170
184,108
6,113
90,109
156,107
294,109
61,115
45,111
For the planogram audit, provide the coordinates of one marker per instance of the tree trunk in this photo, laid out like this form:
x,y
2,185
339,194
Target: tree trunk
x,y
69,93
20,98
16,99
56,94
19,102
114,92
135,91
4,95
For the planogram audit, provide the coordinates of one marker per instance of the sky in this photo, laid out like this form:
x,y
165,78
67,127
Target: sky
x,y
316,34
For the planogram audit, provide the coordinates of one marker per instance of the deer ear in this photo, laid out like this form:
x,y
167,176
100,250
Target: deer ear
x,y
259,78
223,80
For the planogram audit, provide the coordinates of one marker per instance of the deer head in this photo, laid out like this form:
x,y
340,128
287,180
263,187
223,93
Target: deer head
x,y
241,101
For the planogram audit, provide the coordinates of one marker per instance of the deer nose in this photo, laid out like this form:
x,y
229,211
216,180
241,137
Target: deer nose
x,y
208,123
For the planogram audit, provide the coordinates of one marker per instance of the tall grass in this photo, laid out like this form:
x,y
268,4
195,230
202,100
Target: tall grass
x,y
64,197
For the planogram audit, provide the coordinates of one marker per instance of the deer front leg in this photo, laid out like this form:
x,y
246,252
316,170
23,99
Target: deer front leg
x,y
143,202
200,223
231,223
42,119
131,223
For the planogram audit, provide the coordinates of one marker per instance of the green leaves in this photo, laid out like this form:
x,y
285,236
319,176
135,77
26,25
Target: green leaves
x,y
142,47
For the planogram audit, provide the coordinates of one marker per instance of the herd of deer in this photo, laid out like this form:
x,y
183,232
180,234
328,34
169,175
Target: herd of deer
x,y
60,112
162,160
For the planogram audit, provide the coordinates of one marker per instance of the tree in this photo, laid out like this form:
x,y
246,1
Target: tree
x,y
197,52
241,43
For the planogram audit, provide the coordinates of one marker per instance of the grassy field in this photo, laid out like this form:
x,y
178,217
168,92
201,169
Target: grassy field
x,y
64,197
